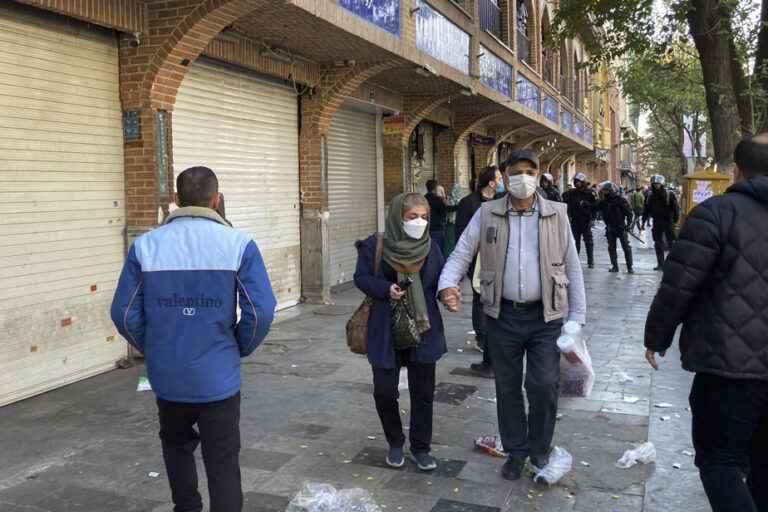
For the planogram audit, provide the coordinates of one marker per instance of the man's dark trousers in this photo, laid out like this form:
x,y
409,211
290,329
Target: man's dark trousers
x,y
613,237
219,434
480,326
584,230
730,435
518,333
660,231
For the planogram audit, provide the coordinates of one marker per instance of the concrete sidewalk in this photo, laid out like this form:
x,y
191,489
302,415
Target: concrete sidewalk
x,y
308,416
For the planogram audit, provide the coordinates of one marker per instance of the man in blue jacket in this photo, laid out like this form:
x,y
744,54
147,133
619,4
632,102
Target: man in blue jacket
x,y
176,303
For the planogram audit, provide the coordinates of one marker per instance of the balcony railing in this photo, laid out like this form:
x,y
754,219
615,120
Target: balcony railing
x,y
490,17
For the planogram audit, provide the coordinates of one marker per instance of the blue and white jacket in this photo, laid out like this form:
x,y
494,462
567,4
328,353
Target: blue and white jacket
x,y
176,303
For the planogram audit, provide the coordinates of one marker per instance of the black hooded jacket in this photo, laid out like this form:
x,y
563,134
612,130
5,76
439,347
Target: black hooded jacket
x,y
716,285
616,213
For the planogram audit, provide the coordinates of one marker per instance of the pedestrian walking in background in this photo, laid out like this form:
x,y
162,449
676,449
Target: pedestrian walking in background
x,y
439,209
581,210
715,285
663,208
530,281
489,186
409,272
637,201
617,216
549,188
176,303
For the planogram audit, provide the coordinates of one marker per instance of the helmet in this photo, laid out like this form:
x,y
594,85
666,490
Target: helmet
x,y
580,177
658,178
609,187
548,177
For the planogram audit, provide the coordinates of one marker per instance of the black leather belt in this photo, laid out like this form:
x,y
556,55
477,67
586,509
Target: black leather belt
x,y
521,305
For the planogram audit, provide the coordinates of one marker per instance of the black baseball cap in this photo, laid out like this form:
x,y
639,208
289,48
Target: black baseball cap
x,y
522,154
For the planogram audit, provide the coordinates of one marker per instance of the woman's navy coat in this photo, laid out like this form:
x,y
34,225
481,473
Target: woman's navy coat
x,y
381,351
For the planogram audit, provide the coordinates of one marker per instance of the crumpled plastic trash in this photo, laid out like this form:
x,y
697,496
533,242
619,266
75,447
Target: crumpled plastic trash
x,y
643,453
316,497
402,384
560,463
491,445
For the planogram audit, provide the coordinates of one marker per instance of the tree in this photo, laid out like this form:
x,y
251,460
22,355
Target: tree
x,y
726,35
670,89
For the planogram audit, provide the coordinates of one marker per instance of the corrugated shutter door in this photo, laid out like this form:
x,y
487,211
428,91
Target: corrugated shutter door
x,y
246,130
61,202
351,188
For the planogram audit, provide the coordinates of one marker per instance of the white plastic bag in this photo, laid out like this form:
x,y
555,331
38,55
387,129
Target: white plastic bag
x,y
315,497
577,377
560,463
644,453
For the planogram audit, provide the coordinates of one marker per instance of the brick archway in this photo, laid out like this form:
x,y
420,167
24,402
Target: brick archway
x,y
505,137
416,110
172,53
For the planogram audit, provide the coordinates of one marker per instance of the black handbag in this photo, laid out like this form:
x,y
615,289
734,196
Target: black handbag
x,y
405,332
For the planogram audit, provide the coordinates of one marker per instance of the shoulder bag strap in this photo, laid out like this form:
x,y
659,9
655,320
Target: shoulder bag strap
x,y
379,253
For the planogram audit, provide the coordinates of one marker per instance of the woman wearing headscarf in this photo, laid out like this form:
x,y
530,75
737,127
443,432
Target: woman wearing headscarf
x,y
409,256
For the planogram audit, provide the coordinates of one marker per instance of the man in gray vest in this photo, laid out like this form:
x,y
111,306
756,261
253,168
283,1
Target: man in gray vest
x,y
530,283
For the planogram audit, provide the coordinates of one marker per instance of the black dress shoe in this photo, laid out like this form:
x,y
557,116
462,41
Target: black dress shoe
x,y
613,270
482,370
513,468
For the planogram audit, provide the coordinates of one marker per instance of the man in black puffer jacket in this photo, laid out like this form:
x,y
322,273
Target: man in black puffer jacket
x,y
716,285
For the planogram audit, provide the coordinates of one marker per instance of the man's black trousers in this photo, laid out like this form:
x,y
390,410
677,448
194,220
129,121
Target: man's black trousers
x,y
584,230
730,435
218,432
661,231
621,236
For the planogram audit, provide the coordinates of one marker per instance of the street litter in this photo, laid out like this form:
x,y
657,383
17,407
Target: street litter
x,y
153,474
663,405
644,453
560,463
585,463
688,453
559,416
459,350
143,385
631,399
471,333
314,497
492,400
623,377
294,366
372,438
677,465
577,377
491,445
666,418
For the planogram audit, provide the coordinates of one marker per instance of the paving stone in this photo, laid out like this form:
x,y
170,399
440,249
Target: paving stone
x,y
453,394
457,506
260,459
72,498
376,457
261,502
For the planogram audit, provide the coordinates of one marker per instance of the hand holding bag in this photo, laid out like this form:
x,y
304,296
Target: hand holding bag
x,y
357,326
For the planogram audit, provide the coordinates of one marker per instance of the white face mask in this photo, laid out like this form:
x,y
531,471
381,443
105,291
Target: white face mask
x,y
521,186
415,228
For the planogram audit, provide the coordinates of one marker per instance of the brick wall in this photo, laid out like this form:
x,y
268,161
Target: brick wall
x,y
126,15
393,166
444,161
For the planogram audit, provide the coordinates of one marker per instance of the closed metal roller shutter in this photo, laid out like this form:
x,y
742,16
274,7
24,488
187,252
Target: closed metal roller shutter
x,y
246,130
61,202
351,188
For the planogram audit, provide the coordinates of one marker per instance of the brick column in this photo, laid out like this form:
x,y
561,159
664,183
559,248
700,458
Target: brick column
x,y
445,165
395,159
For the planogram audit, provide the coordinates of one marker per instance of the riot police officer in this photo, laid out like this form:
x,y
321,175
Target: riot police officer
x,y
550,191
617,215
661,206
581,202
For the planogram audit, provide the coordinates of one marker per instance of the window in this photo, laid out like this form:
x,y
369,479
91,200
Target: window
x,y
523,39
